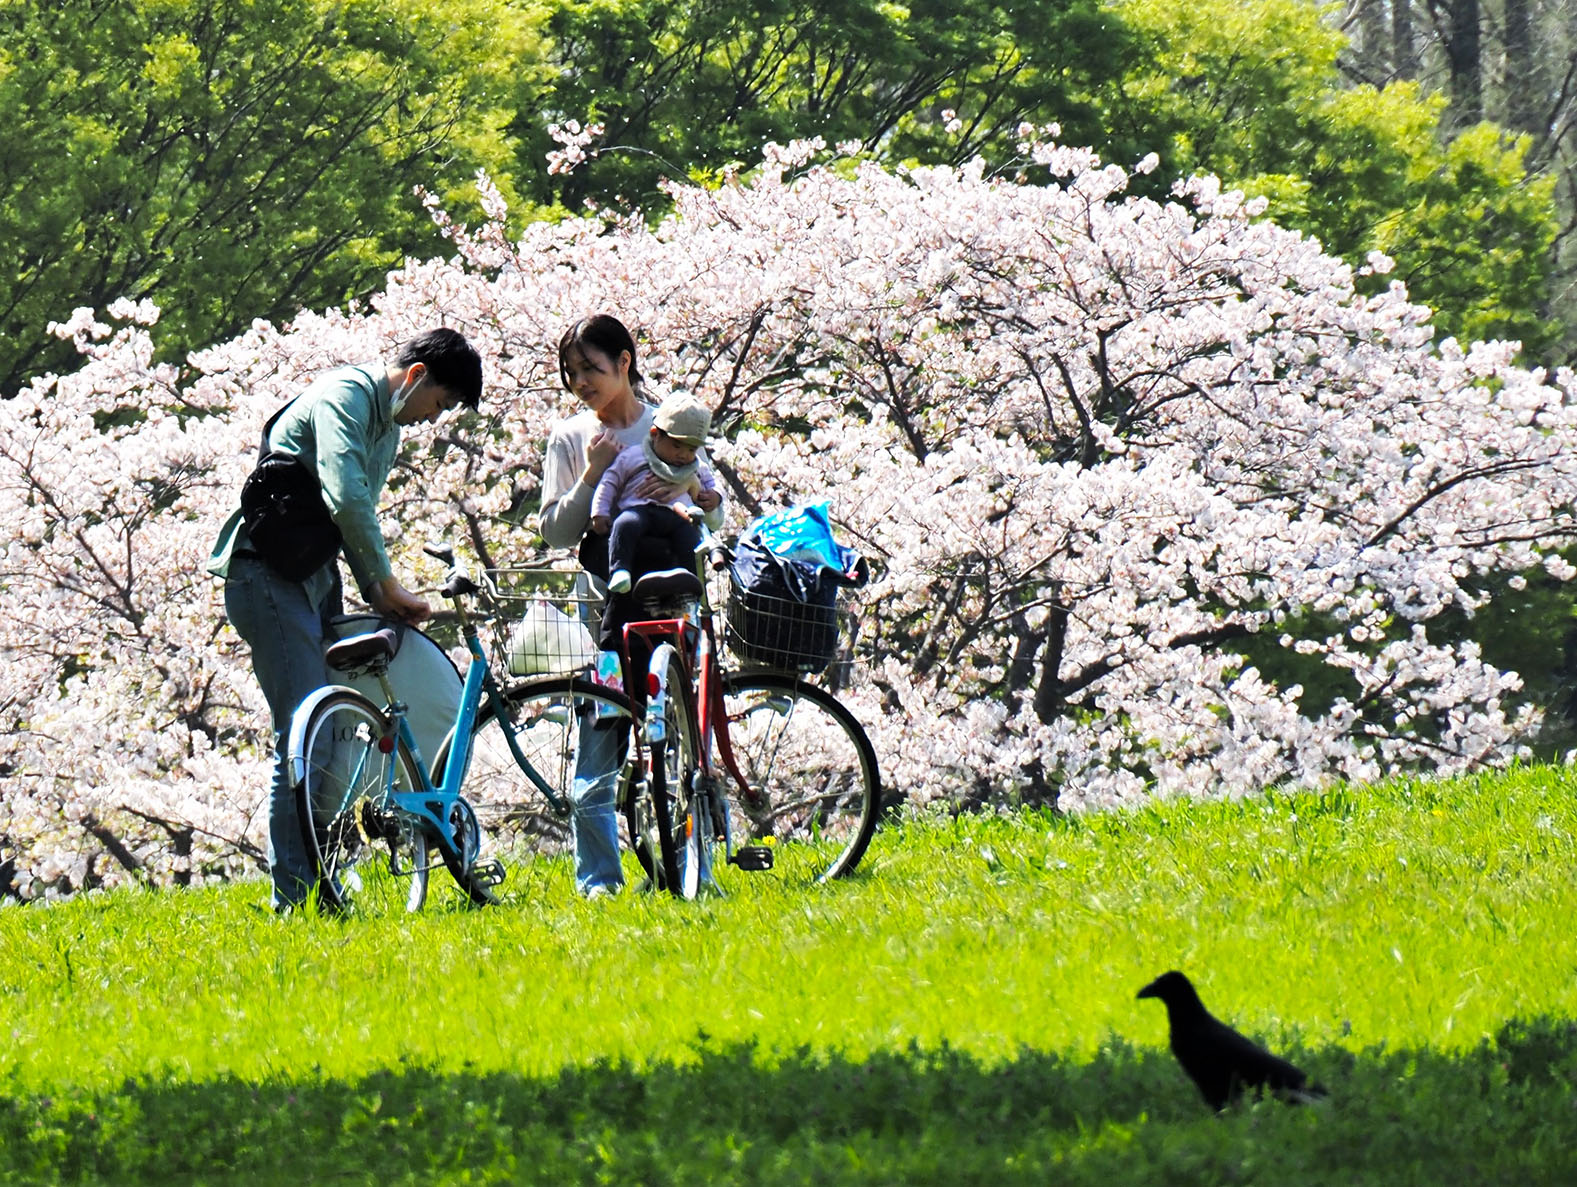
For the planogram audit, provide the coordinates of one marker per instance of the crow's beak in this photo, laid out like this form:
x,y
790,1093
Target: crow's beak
x,y
1148,991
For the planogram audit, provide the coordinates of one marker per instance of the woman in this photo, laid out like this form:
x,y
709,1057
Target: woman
x,y
596,363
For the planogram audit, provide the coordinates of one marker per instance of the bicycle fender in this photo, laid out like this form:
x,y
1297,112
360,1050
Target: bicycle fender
x,y
657,693
298,726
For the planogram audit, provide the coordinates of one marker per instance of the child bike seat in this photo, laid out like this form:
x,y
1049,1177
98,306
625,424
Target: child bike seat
x,y
667,585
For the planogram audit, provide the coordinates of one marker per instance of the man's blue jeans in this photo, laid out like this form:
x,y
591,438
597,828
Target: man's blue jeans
x,y
286,634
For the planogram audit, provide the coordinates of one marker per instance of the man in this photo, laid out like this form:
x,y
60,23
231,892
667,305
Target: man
x,y
345,429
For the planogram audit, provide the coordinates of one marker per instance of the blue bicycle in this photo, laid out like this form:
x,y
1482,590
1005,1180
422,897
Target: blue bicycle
x,y
375,821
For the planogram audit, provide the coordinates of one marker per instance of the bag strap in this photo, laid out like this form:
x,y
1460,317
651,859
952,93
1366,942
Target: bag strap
x,y
263,450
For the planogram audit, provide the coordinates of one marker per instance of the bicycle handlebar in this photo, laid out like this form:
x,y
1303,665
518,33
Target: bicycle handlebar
x,y
718,553
458,583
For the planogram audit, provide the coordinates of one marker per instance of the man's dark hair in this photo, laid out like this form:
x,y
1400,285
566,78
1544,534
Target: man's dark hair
x,y
602,332
451,362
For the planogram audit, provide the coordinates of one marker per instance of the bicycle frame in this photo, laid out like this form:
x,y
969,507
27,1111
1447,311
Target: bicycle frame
x,y
696,644
479,679
430,803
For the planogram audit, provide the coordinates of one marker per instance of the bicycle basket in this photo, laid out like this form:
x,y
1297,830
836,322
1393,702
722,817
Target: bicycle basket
x,y
542,631
782,614
780,632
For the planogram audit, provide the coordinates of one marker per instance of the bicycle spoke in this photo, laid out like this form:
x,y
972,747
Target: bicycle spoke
x,y
814,792
369,856
547,718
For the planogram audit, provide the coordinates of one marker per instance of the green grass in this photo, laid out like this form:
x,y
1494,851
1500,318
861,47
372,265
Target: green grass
x,y
961,1012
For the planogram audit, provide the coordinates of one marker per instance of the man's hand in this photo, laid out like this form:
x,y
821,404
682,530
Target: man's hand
x,y
392,600
708,500
601,524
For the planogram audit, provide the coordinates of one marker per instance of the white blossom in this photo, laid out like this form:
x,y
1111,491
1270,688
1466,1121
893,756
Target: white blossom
x,y
1101,451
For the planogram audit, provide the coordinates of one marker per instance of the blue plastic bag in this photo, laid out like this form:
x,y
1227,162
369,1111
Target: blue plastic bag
x,y
802,534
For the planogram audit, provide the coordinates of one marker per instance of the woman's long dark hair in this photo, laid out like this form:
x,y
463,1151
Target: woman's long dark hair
x,y
602,332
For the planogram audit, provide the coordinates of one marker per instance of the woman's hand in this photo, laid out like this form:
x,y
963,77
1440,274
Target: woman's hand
x,y
392,600
653,489
600,454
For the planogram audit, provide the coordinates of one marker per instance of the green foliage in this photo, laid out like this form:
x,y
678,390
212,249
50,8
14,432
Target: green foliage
x,y
1532,631
1474,237
1224,85
695,85
961,1012
1251,92
1527,626
235,160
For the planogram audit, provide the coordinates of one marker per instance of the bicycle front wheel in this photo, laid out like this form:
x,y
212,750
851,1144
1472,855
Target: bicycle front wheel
x,y
369,855
814,790
545,717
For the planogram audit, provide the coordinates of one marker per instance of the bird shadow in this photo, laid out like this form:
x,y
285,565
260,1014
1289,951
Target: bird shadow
x,y
735,1113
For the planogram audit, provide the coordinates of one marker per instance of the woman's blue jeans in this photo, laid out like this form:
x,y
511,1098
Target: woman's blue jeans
x,y
594,816
286,634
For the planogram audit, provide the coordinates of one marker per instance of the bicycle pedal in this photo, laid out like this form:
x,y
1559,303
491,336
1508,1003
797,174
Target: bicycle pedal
x,y
488,873
752,857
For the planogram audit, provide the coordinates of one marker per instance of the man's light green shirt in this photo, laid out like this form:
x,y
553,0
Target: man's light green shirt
x,y
342,427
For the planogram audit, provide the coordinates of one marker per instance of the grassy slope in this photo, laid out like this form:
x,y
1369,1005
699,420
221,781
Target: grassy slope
x,y
962,1012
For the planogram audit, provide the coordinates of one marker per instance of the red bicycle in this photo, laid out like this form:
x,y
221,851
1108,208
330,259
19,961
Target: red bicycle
x,y
751,768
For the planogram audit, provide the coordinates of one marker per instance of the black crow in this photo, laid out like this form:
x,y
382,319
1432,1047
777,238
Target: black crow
x,y
1221,1061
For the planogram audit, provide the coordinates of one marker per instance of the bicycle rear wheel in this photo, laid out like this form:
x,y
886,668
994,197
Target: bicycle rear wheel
x,y
655,808
545,716
369,855
814,786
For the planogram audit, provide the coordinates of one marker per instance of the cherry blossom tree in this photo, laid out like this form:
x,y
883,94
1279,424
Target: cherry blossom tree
x,y
1157,502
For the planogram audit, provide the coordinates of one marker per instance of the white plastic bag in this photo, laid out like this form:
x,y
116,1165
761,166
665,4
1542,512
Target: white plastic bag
x,y
547,641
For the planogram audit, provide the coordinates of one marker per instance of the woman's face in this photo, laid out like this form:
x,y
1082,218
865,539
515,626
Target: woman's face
x,y
597,379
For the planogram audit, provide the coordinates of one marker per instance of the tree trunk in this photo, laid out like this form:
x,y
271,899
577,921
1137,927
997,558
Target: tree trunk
x,y
1404,49
1048,691
1375,44
1524,94
1463,60
113,845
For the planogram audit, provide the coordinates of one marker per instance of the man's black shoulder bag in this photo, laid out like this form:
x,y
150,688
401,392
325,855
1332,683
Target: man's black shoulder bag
x,y
282,504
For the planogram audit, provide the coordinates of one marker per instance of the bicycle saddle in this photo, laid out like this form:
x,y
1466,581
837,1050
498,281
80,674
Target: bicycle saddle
x,y
360,651
664,584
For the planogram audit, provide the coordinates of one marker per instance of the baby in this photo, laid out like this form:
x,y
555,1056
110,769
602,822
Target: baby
x,y
641,497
